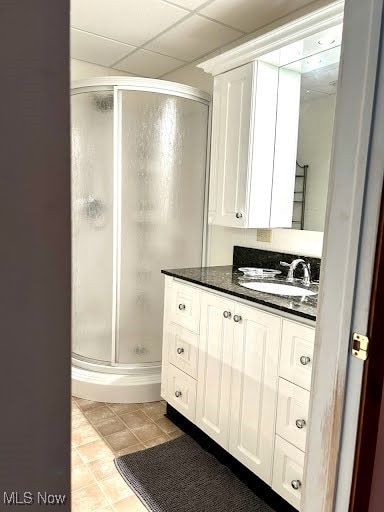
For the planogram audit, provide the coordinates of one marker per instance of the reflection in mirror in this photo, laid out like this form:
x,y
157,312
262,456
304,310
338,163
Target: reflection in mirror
x,y
319,74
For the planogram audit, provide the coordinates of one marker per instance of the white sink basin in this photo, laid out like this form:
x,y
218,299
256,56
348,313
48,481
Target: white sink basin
x,y
279,289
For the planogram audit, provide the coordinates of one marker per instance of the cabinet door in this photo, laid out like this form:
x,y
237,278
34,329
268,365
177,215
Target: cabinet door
x,y
214,367
284,167
254,389
230,145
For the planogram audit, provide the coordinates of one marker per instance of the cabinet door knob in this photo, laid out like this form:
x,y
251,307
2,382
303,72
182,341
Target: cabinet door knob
x,y
180,350
239,215
300,423
304,360
178,394
181,307
296,484
227,314
237,318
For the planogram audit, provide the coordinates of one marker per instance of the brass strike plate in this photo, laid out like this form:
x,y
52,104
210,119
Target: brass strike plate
x,y
360,346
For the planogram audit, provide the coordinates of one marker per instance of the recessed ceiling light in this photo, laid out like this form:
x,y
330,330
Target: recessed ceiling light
x,y
314,61
326,42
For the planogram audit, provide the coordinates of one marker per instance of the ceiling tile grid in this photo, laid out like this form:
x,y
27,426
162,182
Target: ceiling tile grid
x,y
153,37
249,15
97,49
188,4
193,38
149,64
129,21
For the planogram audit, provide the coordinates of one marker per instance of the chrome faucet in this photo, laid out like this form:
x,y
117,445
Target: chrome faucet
x,y
292,266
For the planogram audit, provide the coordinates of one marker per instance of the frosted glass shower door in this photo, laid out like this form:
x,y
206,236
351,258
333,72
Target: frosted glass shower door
x,y
92,224
162,174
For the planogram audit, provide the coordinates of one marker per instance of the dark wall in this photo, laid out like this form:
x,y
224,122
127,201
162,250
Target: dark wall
x,y
377,489
374,392
34,248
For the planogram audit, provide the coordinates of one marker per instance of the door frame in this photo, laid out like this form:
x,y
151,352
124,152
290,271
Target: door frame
x,y
353,209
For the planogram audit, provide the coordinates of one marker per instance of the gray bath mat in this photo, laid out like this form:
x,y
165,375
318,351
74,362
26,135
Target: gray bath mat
x,y
179,476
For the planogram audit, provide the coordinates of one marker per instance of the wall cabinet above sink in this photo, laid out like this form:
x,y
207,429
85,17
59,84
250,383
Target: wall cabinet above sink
x,y
254,140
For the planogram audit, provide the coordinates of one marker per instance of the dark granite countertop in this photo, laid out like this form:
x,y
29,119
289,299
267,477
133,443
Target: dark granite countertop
x,y
226,279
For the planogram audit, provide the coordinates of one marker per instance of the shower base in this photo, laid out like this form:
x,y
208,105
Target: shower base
x,y
137,386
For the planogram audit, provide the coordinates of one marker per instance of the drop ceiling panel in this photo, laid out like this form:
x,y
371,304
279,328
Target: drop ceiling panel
x,y
96,49
126,21
148,64
249,15
188,4
193,38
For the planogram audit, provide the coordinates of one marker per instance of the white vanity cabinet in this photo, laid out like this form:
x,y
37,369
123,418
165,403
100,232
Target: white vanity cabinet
x,y
229,377
254,140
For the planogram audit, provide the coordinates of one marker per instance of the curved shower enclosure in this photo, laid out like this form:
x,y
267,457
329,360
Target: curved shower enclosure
x,y
139,153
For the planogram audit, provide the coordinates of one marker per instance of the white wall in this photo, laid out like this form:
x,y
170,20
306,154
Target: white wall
x,y
81,70
314,148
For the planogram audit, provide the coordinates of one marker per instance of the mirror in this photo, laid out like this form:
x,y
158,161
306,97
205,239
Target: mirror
x,y
319,75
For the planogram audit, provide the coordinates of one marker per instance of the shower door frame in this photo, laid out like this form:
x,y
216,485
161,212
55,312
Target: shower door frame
x,y
137,84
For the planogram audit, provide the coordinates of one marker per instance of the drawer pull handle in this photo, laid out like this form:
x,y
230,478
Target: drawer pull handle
x,y
304,360
300,423
178,394
296,484
239,215
227,314
237,318
182,307
180,350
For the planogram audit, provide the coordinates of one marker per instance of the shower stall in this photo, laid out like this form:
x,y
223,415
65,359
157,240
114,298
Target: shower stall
x,y
139,158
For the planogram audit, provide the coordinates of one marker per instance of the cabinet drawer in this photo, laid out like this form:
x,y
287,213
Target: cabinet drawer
x,y
297,353
185,306
292,413
182,348
181,393
288,469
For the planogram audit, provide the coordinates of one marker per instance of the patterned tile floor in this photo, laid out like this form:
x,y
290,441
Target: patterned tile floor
x,y
102,431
